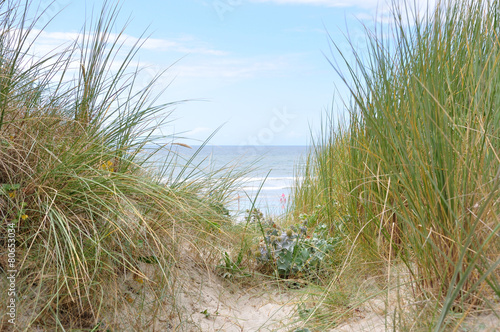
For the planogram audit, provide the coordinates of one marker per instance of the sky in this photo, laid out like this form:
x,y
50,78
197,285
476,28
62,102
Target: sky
x,y
258,68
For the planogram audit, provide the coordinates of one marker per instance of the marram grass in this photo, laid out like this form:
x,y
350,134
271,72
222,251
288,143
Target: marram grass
x,y
414,177
77,188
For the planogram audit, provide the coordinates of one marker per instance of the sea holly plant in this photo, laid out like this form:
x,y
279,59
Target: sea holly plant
x,y
255,215
293,252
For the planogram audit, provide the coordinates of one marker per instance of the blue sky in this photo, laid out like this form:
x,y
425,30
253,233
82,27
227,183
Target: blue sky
x,y
257,67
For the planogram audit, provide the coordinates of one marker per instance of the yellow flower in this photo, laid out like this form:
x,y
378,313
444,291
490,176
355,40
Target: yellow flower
x,y
12,194
108,166
24,217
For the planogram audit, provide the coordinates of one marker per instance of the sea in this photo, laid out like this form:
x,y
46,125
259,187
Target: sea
x,y
269,173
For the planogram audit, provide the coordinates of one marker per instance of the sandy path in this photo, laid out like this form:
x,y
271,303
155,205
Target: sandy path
x,y
213,304
207,302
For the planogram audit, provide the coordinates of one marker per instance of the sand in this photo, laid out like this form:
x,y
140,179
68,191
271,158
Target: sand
x,y
208,302
214,304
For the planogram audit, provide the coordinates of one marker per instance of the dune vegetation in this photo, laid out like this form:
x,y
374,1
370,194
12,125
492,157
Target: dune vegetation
x,y
411,180
83,200
395,213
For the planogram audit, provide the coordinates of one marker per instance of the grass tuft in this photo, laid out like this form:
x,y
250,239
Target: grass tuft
x,y
413,177
97,230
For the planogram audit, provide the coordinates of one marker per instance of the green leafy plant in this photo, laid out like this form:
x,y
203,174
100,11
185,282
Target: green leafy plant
x,y
206,313
292,252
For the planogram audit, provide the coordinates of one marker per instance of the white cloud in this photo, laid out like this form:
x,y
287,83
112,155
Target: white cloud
x,y
381,5
44,43
218,65
328,3
49,41
227,69
238,68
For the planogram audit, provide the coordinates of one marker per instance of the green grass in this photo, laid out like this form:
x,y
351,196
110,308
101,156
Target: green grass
x,y
77,182
413,177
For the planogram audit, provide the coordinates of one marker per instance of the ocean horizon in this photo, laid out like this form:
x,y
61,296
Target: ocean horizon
x,y
271,172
